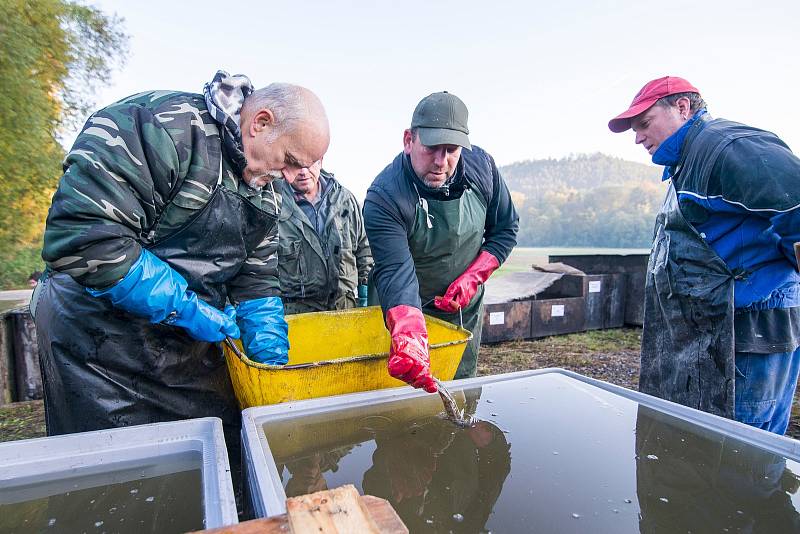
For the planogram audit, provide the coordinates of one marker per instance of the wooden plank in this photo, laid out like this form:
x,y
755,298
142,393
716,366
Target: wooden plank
x,y
380,510
278,524
338,510
384,515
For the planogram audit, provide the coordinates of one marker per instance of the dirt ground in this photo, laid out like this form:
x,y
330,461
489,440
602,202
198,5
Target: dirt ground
x,y
608,355
21,420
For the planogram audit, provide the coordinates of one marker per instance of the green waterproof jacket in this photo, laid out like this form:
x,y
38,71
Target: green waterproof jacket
x,y
322,272
138,171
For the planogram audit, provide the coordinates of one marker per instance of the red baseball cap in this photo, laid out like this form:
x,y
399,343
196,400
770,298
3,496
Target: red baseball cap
x,y
647,96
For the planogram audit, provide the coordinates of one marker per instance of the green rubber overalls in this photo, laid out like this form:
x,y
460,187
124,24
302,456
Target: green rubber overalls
x,y
446,237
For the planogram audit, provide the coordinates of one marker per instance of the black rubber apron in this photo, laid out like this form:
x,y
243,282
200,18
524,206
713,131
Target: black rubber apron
x,y
446,237
687,342
104,367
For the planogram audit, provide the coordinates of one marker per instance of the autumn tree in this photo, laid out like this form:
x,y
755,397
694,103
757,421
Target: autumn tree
x,y
589,200
53,53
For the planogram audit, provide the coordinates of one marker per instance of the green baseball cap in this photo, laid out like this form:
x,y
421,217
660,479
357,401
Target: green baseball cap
x,y
441,119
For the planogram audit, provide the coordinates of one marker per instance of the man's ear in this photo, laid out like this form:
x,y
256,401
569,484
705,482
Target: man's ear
x,y
684,107
263,121
407,139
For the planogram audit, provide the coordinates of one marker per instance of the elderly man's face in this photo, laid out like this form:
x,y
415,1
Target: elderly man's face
x,y
433,164
285,157
307,180
656,124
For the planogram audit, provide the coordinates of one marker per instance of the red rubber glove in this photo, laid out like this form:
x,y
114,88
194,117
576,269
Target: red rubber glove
x,y
408,357
465,286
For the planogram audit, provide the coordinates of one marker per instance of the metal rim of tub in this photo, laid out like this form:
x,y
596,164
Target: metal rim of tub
x,y
361,357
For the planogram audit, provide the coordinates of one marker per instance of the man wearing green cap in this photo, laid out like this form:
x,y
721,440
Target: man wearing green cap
x,y
440,221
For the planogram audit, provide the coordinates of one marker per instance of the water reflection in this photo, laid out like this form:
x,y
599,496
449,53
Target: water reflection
x,y
585,460
160,504
307,474
441,478
435,474
702,482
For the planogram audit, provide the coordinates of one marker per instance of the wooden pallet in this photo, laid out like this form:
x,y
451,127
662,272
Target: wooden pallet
x,y
337,511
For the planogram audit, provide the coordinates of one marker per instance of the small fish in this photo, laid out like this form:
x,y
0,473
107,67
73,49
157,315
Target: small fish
x,y
454,414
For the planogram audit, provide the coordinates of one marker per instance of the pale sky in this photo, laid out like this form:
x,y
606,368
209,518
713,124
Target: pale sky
x,y
540,78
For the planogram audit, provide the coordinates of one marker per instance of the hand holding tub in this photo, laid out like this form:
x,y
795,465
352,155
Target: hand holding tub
x,y
463,288
265,334
154,290
408,357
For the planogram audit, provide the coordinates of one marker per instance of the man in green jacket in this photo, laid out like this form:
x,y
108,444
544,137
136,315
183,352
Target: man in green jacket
x,y
324,256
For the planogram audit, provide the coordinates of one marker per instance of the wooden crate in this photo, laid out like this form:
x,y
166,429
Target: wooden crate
x,y
506,321
554,316
605,300
634,298
634,266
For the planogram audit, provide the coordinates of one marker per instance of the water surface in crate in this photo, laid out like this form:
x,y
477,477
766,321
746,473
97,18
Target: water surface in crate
x,y
159,496
551,454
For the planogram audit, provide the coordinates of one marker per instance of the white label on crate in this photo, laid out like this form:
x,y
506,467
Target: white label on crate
x,y
557,310
497,318
595,285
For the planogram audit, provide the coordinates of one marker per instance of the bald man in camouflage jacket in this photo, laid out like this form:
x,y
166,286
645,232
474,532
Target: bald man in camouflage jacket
x,y
166,213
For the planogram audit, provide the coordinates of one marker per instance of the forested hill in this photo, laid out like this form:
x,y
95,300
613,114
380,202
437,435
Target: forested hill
x,y
586,200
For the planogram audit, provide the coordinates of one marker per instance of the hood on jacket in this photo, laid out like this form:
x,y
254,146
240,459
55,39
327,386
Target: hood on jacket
x,y
224,96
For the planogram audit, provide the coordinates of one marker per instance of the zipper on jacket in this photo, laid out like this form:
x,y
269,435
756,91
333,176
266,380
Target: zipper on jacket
x,y
302,274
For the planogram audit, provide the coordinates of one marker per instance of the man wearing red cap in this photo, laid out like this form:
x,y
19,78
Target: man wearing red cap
x,y
722,301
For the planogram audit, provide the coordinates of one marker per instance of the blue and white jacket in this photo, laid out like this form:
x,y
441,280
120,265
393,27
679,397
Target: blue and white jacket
x,y
740,188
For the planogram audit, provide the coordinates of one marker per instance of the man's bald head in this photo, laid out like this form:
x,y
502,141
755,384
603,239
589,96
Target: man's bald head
x,y
292,105
284,129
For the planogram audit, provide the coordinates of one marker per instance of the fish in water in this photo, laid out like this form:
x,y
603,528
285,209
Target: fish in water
x,y
454,414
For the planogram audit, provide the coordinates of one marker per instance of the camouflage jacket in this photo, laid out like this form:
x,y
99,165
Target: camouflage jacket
x,y
129,160
322,272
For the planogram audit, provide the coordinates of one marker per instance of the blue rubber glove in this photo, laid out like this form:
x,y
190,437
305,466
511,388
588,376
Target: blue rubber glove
x,y
363,292
154,290
265,334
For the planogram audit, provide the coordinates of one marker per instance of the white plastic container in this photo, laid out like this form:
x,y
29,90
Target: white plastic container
x,y
596,457
45,467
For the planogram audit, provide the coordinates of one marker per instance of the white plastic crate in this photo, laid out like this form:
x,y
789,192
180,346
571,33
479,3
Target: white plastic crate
x,y
43,467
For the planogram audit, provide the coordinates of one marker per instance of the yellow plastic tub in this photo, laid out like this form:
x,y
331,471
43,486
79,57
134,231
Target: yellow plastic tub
x,y
338,352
